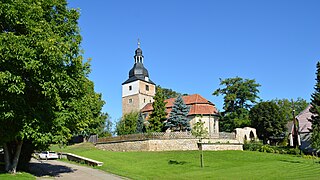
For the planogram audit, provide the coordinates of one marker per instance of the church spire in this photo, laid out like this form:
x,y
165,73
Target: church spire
x,y
138,71
138,57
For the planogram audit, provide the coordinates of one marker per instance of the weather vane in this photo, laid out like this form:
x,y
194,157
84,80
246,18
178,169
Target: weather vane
x,y
138,43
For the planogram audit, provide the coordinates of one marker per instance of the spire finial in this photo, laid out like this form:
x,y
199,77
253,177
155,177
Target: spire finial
x,y
138,43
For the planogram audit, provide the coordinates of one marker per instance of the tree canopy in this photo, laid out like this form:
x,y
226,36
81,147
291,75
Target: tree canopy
x,y
315,110
169,93
239,96
127,124
178,118
285,106
45,95
268,119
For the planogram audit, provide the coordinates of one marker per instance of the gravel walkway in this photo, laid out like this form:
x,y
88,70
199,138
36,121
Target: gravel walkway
x,y
53,169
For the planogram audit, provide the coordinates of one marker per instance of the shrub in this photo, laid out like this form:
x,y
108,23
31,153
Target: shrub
x,y
266,148
252,145
258,146
294,151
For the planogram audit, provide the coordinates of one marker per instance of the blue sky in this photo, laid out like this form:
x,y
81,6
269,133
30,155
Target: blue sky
x,y
189,45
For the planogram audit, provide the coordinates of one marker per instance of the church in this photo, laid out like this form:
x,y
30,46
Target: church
x,y
138,92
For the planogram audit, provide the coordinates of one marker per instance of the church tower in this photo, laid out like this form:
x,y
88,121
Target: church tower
x,y
138,90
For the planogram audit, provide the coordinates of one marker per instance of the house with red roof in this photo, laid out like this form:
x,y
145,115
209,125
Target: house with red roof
x,y
200,108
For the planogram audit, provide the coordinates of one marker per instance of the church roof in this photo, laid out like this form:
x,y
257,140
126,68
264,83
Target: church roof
x,y
303,118
198,105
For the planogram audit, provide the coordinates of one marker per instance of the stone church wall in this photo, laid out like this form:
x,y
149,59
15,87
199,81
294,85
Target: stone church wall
x,y
170,145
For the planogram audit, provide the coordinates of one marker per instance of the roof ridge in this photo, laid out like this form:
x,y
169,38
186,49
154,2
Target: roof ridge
x,y
304,111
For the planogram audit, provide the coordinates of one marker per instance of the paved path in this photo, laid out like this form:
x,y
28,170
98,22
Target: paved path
x,y
53,169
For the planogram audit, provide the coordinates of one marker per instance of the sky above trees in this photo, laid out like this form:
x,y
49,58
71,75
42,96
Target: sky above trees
x,y
189,45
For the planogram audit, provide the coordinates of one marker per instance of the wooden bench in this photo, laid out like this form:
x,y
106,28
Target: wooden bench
x,y
80,159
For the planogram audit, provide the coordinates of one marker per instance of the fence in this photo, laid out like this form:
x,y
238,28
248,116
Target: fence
x,y
162,135
93,139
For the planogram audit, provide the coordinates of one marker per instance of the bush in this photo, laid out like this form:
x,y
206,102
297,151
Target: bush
x,y
309,157
252,145
294,151
258,146
267,148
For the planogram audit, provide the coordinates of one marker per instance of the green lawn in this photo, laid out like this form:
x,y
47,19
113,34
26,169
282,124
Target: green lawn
x,y
19,176
185,164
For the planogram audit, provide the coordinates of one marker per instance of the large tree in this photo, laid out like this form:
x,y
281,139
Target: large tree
x,y
178,118
127,124
268,119
45,95
239,96
315,110
285,106
158,115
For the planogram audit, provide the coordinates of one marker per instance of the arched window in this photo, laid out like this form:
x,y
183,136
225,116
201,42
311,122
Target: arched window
x,y
251,136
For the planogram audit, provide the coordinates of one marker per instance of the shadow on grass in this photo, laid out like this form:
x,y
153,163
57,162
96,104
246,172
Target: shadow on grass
x,y
288,161
174,162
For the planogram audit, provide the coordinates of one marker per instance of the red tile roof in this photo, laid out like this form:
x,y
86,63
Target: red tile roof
x,y
198,105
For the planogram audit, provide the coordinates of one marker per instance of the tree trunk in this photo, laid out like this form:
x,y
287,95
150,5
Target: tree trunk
x,y
12,153
16,157
6,157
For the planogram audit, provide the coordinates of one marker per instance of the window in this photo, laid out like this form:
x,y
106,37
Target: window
x,y
130,101
144,100
130,88
147,87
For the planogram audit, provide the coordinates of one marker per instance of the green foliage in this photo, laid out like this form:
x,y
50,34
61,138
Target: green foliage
x,y
285,106
315,110
107,130
239,96
237,119
238,93
198,130
169,93
158,116
45,94
252,145
140,124
266,148
18,176
267,118
127,124
258,146
178,120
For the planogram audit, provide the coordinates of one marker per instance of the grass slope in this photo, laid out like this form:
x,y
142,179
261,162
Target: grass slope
x,y
185,164
19,176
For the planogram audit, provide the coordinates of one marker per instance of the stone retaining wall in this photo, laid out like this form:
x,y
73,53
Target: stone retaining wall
x,y
170,145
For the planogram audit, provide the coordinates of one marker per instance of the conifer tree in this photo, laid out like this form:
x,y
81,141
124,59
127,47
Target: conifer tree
x,y
140,125
178,120
158,116
315,110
